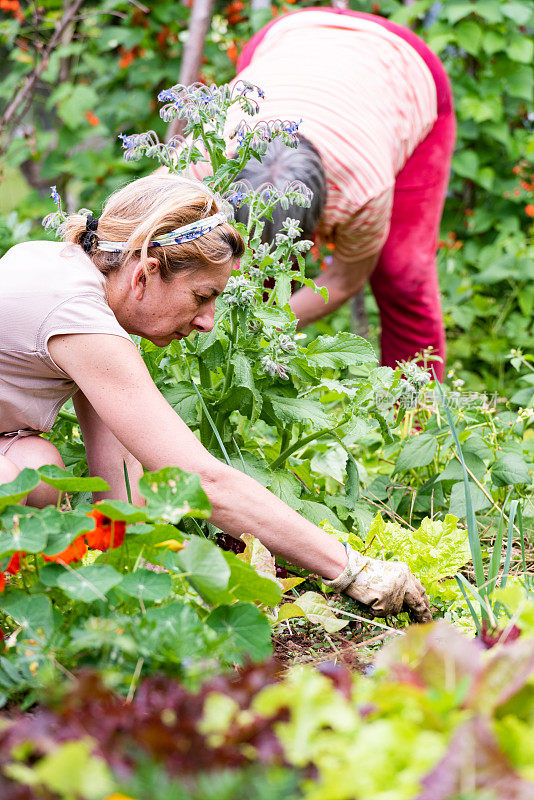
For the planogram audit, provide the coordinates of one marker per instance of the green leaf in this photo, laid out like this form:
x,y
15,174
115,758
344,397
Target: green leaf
x,y
172,494
287,487
454,470
67,482
466,163
63,528
25,482
518,12
33,614
183,398
204,566
456,10
341,350
89,583
120,510
457,504
509,469
318,512
248,585
24,529
434,551
81,98
147,585
417,451
521,49
297,409
469,36
247,630
176,630
317,611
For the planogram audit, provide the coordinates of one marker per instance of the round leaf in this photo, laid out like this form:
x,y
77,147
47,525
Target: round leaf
x,y
172,494
24,529
147,585
248,631
89,583
66,482
24,483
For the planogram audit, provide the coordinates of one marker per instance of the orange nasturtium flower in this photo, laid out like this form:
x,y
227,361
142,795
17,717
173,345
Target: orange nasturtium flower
x,y
91,118
14,563
107,532
2,581
529,210
74,552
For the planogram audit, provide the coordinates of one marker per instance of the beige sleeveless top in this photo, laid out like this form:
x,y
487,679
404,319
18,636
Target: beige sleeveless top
x,y
46,288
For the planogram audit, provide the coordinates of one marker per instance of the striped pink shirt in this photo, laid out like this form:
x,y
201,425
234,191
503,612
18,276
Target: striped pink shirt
x,y
366,99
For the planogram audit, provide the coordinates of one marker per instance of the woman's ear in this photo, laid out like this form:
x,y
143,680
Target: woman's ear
x,y
141,274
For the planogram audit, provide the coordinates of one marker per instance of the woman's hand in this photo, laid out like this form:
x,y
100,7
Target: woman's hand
x,y
387,587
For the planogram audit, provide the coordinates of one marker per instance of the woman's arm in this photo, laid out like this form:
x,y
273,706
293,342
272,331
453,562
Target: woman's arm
x,y
115,381
343,279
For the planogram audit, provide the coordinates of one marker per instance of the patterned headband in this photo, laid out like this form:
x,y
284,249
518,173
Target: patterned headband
x,y
184,234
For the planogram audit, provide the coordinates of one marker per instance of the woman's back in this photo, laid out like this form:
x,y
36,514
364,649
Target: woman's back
x,y
47,288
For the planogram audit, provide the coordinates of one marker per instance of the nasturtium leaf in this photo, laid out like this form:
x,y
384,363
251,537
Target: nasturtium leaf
x,y
176,629
63,528
417,451
33,613
66,482
148,585
23,529
204,566
509,469
172,494
119,510
50,573
89,583
249,585
24,483
247,629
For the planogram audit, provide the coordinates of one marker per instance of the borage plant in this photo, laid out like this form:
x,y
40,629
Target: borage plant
x,y
255,391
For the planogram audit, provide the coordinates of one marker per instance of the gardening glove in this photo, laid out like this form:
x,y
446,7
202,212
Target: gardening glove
x,y
388,587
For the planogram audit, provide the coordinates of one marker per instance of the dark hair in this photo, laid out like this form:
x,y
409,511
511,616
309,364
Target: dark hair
x,y
282,164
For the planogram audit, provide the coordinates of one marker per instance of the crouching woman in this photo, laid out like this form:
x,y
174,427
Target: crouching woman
x,y
151,265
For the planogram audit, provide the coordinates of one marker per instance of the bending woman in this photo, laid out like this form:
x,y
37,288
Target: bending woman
x,y
152,266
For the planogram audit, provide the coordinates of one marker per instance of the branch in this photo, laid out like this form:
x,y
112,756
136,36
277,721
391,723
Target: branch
x,y
199,24
23,96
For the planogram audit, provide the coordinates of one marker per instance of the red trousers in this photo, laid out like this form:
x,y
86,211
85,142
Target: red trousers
x,y
405,280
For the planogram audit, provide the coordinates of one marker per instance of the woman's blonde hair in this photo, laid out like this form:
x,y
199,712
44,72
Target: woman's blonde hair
x,y
149,207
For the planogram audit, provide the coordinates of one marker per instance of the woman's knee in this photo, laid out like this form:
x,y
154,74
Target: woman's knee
x,y
8,470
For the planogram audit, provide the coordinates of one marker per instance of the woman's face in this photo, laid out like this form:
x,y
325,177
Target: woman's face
x,y
162,311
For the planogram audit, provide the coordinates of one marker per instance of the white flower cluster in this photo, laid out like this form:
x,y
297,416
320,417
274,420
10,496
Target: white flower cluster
x,y
239,292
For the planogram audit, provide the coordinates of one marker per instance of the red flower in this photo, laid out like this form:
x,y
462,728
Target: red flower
x,y
529,210
107,532
14,563
2,581
74,552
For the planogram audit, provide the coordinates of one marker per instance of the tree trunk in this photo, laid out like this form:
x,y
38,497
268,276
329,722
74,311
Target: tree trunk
x,y
199,24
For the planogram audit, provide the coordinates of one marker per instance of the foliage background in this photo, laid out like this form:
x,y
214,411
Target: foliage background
x,y
104,76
